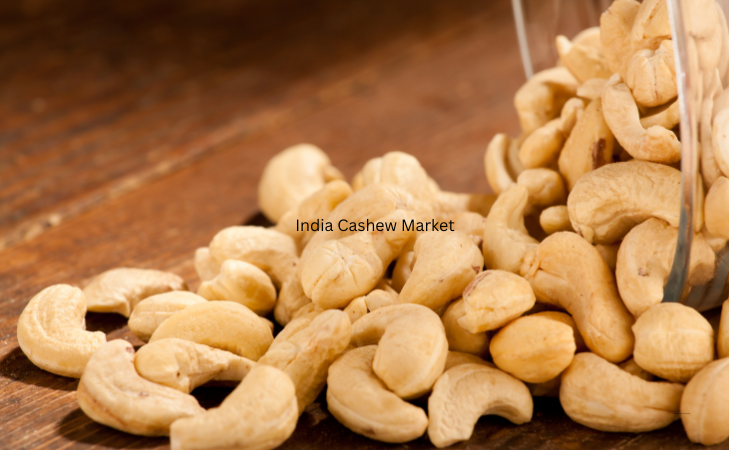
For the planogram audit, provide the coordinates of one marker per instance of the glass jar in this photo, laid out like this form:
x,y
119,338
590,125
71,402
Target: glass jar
x,y
538,22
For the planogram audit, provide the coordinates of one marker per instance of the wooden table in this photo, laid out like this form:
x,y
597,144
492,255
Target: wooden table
x,y
133,131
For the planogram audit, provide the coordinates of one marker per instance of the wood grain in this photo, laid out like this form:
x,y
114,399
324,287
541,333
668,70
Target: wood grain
x,y
155,121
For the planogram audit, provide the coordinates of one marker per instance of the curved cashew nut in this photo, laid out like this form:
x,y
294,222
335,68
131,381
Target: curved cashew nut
x,y
470,223
402,170
402,270
112,393
409,371
306,353
606,203
261,413
493,299
356,309
543,145
714,101
665,116
376,299
645,259
120,290
468,391
242,283
651,75
52,331
583,61
722,337
720,140
271,251
444,264
459,339
224,325
627,27
362,403
673,341
555,219
495,164
151,312
602,396
651,23
185,365
542,97
716,208
621,113
291,299
534,348
565,270
545,186
567,320
705,404
291,176
506,239
205,265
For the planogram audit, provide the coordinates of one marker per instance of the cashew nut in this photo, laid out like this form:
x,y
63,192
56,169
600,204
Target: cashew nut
x,y
722,337
261,413
362,403
356,309
714,101
609,253
716,208
606,203
470,223
673,341
625,30
506,239
705,404
402,170
185,365
493,299
651,75
591,89
151,312
112,393
120,290
468,391
543,145
651,23
458,338
566,319
554,219
447,204
545,187
566,271
205,265
720,140
665,116
632,368
408,370
542,97
224,325
291,299
52,331
457,358
291,176
242,283
495,164
402,270
583,61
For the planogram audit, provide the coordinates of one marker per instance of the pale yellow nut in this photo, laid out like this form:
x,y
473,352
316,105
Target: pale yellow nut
x,y
458,338
722,337
543,145
457,358
444,264
402,170
468,391
651,23
120,290
52,332
631,367
356,309
271,251
566,271
606,203
402,270
380,298
447,204
224,325
242,283
496,169
470,223
705,404
545,186
714,101
534,348
506,239
261,413
584,61
361,402
591,89
716,208
570,115
408,370
185,365
651,75
554,219
673,341
565,318
625,30
112,393
151,312
542,97
666,116
493,299
305,353
205,265
291,176
291,299
602,396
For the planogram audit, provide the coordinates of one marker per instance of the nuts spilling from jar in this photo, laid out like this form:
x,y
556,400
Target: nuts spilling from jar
x,y
475,320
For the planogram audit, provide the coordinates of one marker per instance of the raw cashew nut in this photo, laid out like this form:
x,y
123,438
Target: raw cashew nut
x,y
242,283
606,203
722,337
714,101
362,403
543,145
545,186
554,219
621,113
261,413
534,348
506,239
495,164
402,170
468,391
376,299
470,223
271,251
651,75
493,299
589,146
185,365
356,309
705,404
673,341
151,312
408,370
52,331
542,97
291,176
291,299
651,23
583,61
120,290
205,265
566,319
458,338
112,393
645,259
626,27
602,396
224,325
716,208
402,270
444,264
591,89
306,353
720,140
566,271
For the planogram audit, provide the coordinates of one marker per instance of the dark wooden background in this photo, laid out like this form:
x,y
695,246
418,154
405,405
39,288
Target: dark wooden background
x,y
132,131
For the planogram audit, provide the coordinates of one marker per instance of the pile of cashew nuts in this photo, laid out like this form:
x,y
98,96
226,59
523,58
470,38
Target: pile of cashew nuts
x,y
551,286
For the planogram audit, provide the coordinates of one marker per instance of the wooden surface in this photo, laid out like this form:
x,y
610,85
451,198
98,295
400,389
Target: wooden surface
x,y
133,131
